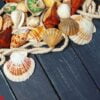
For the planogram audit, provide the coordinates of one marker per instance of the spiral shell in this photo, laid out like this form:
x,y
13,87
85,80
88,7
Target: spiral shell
x,y
52,37
19,68
69,26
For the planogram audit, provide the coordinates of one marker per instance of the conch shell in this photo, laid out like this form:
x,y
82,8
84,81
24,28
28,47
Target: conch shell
x,y
19,37
18,18
19,68
36,7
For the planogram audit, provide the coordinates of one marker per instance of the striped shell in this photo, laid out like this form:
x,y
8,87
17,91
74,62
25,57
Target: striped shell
x,y
36,33
69,26
52,37
86,30
19,68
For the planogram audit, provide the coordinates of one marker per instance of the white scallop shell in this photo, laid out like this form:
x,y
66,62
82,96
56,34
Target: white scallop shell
x,y
15,69
63,11
18,18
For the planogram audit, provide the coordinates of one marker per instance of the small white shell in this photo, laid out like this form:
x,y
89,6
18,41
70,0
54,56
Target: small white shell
x,y
33,21
63,10
19,68
18,18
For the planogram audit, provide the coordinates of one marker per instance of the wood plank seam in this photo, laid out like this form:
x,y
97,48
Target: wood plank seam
x,y
48,78
86,69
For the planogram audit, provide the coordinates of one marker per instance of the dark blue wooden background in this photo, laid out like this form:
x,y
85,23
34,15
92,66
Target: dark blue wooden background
x,y
73,74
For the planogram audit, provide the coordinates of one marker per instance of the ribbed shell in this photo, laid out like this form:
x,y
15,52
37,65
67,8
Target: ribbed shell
x,y
52,37
69,26
19,73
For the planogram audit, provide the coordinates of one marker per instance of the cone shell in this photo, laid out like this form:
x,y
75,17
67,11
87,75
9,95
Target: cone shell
x,y
19,38
19,68
36,33
1,23
69,26
52,37
18,18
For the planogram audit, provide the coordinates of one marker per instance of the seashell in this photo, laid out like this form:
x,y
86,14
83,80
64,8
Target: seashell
x,y
36,33
50,18
9,7
21,6
20,67
86,30
18,18
5,38
1,23
49,3
36,7
7,21
69,26
33,21
19,37
13,0
64,11
75,5
81,38
52,36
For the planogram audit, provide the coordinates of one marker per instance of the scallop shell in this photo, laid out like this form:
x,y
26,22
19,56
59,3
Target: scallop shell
x,y
33,21
49,3
69,26
1,23
18,18
36,33
52,36
21,6
9,7
19,37
64,11
19,68
86,30
36,7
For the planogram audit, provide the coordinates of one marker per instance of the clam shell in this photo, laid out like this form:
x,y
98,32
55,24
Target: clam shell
x,y
19,68
21,6
33,21
1,23
18,18
69,26
19,38
36,33
52,37
81,38
35,7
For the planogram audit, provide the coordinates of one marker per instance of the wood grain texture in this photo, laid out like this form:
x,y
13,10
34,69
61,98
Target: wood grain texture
x,y
4,89
90,55
37,87
68,76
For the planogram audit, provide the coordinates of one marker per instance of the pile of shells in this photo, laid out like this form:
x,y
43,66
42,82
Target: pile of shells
x,y
22,21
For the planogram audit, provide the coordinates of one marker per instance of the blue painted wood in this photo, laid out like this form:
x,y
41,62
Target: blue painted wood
x,y
90,55
37,87
69,76
4,89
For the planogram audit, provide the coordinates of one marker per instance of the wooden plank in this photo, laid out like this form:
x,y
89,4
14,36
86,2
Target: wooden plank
x,y
90,55
4,89
37,87
68,76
